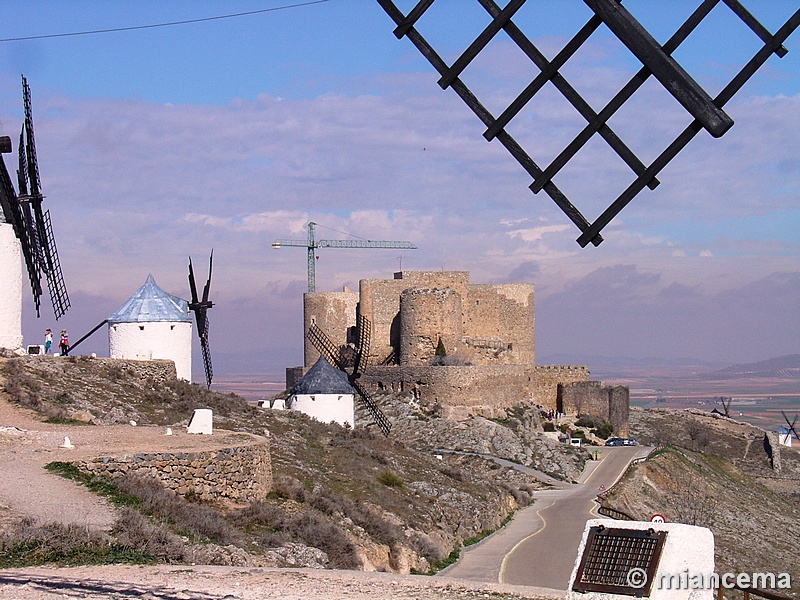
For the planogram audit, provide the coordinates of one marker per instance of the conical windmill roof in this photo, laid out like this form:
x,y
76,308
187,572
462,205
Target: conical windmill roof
x,y
322,378
150,303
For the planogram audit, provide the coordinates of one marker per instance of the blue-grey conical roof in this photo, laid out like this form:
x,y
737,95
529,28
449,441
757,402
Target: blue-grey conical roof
x,y
150,303
322,378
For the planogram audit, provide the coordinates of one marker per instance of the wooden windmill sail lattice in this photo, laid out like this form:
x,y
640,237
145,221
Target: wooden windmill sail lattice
x,y
353,365
657,61
31,222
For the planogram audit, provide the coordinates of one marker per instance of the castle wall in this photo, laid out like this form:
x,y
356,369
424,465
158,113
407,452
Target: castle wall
x,y
549,376
238,475
499,323
333,312
458,391
598,400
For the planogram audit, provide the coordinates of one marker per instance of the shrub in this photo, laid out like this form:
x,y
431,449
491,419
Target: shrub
x,y
389,479
549,426
29,543
135,532
315,531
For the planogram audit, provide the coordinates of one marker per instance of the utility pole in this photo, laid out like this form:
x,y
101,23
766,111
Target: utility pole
x,y
312,244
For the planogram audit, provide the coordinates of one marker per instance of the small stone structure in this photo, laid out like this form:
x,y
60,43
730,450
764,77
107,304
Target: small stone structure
x,y
238,475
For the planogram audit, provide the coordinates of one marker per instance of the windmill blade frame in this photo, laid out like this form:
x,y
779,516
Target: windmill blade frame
x,y
200,309
791,425
364,335
326,347
36,230
377,414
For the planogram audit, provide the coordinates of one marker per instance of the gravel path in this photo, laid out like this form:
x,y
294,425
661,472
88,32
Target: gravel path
x,y
119,582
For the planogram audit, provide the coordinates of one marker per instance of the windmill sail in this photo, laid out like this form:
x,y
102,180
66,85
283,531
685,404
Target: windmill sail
x,y
200,308
31,222
333,355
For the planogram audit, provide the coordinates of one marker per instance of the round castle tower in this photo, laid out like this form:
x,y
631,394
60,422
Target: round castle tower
x,y
426,316
333,312
10,288
153,324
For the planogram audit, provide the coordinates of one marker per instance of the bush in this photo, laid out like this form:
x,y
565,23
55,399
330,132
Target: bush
x,y
549,426
389,479
29,543
194,519
135,532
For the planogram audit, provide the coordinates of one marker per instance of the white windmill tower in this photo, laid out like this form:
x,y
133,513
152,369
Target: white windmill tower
x,y
25,232
153,324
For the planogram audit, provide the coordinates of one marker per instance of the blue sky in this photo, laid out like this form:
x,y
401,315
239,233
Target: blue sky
x,y
159,143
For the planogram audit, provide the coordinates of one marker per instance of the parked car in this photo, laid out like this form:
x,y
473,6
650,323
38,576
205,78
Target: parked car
x,y
620,442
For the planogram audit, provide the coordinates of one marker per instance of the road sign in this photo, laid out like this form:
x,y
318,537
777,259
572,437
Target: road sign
x,y
657,518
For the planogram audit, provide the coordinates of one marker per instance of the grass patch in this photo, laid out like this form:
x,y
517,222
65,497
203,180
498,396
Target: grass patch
x,y
101,485
389,479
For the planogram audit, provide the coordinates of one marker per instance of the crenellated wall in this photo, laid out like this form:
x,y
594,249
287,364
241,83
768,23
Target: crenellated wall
x,y
236,475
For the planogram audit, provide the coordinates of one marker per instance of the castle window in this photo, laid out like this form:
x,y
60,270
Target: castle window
x,y
171,327
141,327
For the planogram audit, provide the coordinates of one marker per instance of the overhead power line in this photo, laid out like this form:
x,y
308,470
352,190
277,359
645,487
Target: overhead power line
x,y
170,24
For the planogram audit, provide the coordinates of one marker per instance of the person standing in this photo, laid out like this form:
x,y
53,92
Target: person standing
x,y
63,343
48,340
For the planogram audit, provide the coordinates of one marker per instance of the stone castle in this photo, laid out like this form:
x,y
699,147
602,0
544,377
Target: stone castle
x,y
487,332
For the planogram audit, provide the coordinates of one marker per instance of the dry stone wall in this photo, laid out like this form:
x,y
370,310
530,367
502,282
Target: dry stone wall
x,y
236,475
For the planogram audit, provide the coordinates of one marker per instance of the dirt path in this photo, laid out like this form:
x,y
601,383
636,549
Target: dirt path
x,y
27,444
119,582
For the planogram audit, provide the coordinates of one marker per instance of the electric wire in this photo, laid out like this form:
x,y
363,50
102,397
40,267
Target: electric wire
x,y
170,24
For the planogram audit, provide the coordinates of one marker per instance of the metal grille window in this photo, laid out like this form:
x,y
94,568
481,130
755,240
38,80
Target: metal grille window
x,y
612,556
656,60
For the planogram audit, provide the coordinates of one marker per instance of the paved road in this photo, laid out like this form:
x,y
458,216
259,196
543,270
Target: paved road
x,y
539,546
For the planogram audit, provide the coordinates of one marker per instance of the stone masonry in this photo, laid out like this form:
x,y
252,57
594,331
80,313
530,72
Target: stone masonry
x,y
236,475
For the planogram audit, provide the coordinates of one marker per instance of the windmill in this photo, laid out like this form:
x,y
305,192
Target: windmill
x,y
200,308
353,364
792,428
312,244
31,224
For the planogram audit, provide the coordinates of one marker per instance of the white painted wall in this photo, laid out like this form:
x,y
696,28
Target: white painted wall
x,y
326,407
168,340
10,289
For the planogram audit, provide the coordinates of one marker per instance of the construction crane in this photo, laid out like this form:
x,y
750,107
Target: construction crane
x,y
312,244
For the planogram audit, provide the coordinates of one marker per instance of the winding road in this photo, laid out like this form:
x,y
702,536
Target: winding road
x,y
538,547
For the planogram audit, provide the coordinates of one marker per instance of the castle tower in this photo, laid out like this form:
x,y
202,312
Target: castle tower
x,y
334,313
153,324
10,288
426,316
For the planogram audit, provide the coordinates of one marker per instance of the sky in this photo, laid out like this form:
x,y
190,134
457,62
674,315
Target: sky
x,y
160,143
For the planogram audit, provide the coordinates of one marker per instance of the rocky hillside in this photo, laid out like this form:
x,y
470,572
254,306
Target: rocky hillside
x,y
717,473
343,498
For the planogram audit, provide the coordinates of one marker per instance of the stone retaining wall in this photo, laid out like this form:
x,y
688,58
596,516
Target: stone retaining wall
x,y
236,475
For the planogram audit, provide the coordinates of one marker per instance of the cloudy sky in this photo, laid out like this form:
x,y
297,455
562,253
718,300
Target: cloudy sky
x,y
160,143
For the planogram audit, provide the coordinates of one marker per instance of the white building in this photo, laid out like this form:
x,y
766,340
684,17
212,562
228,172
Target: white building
x,y
153,324
324,394
784,436
10,288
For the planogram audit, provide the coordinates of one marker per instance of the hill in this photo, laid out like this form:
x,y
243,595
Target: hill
x,y
342,498
781,367
718,473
